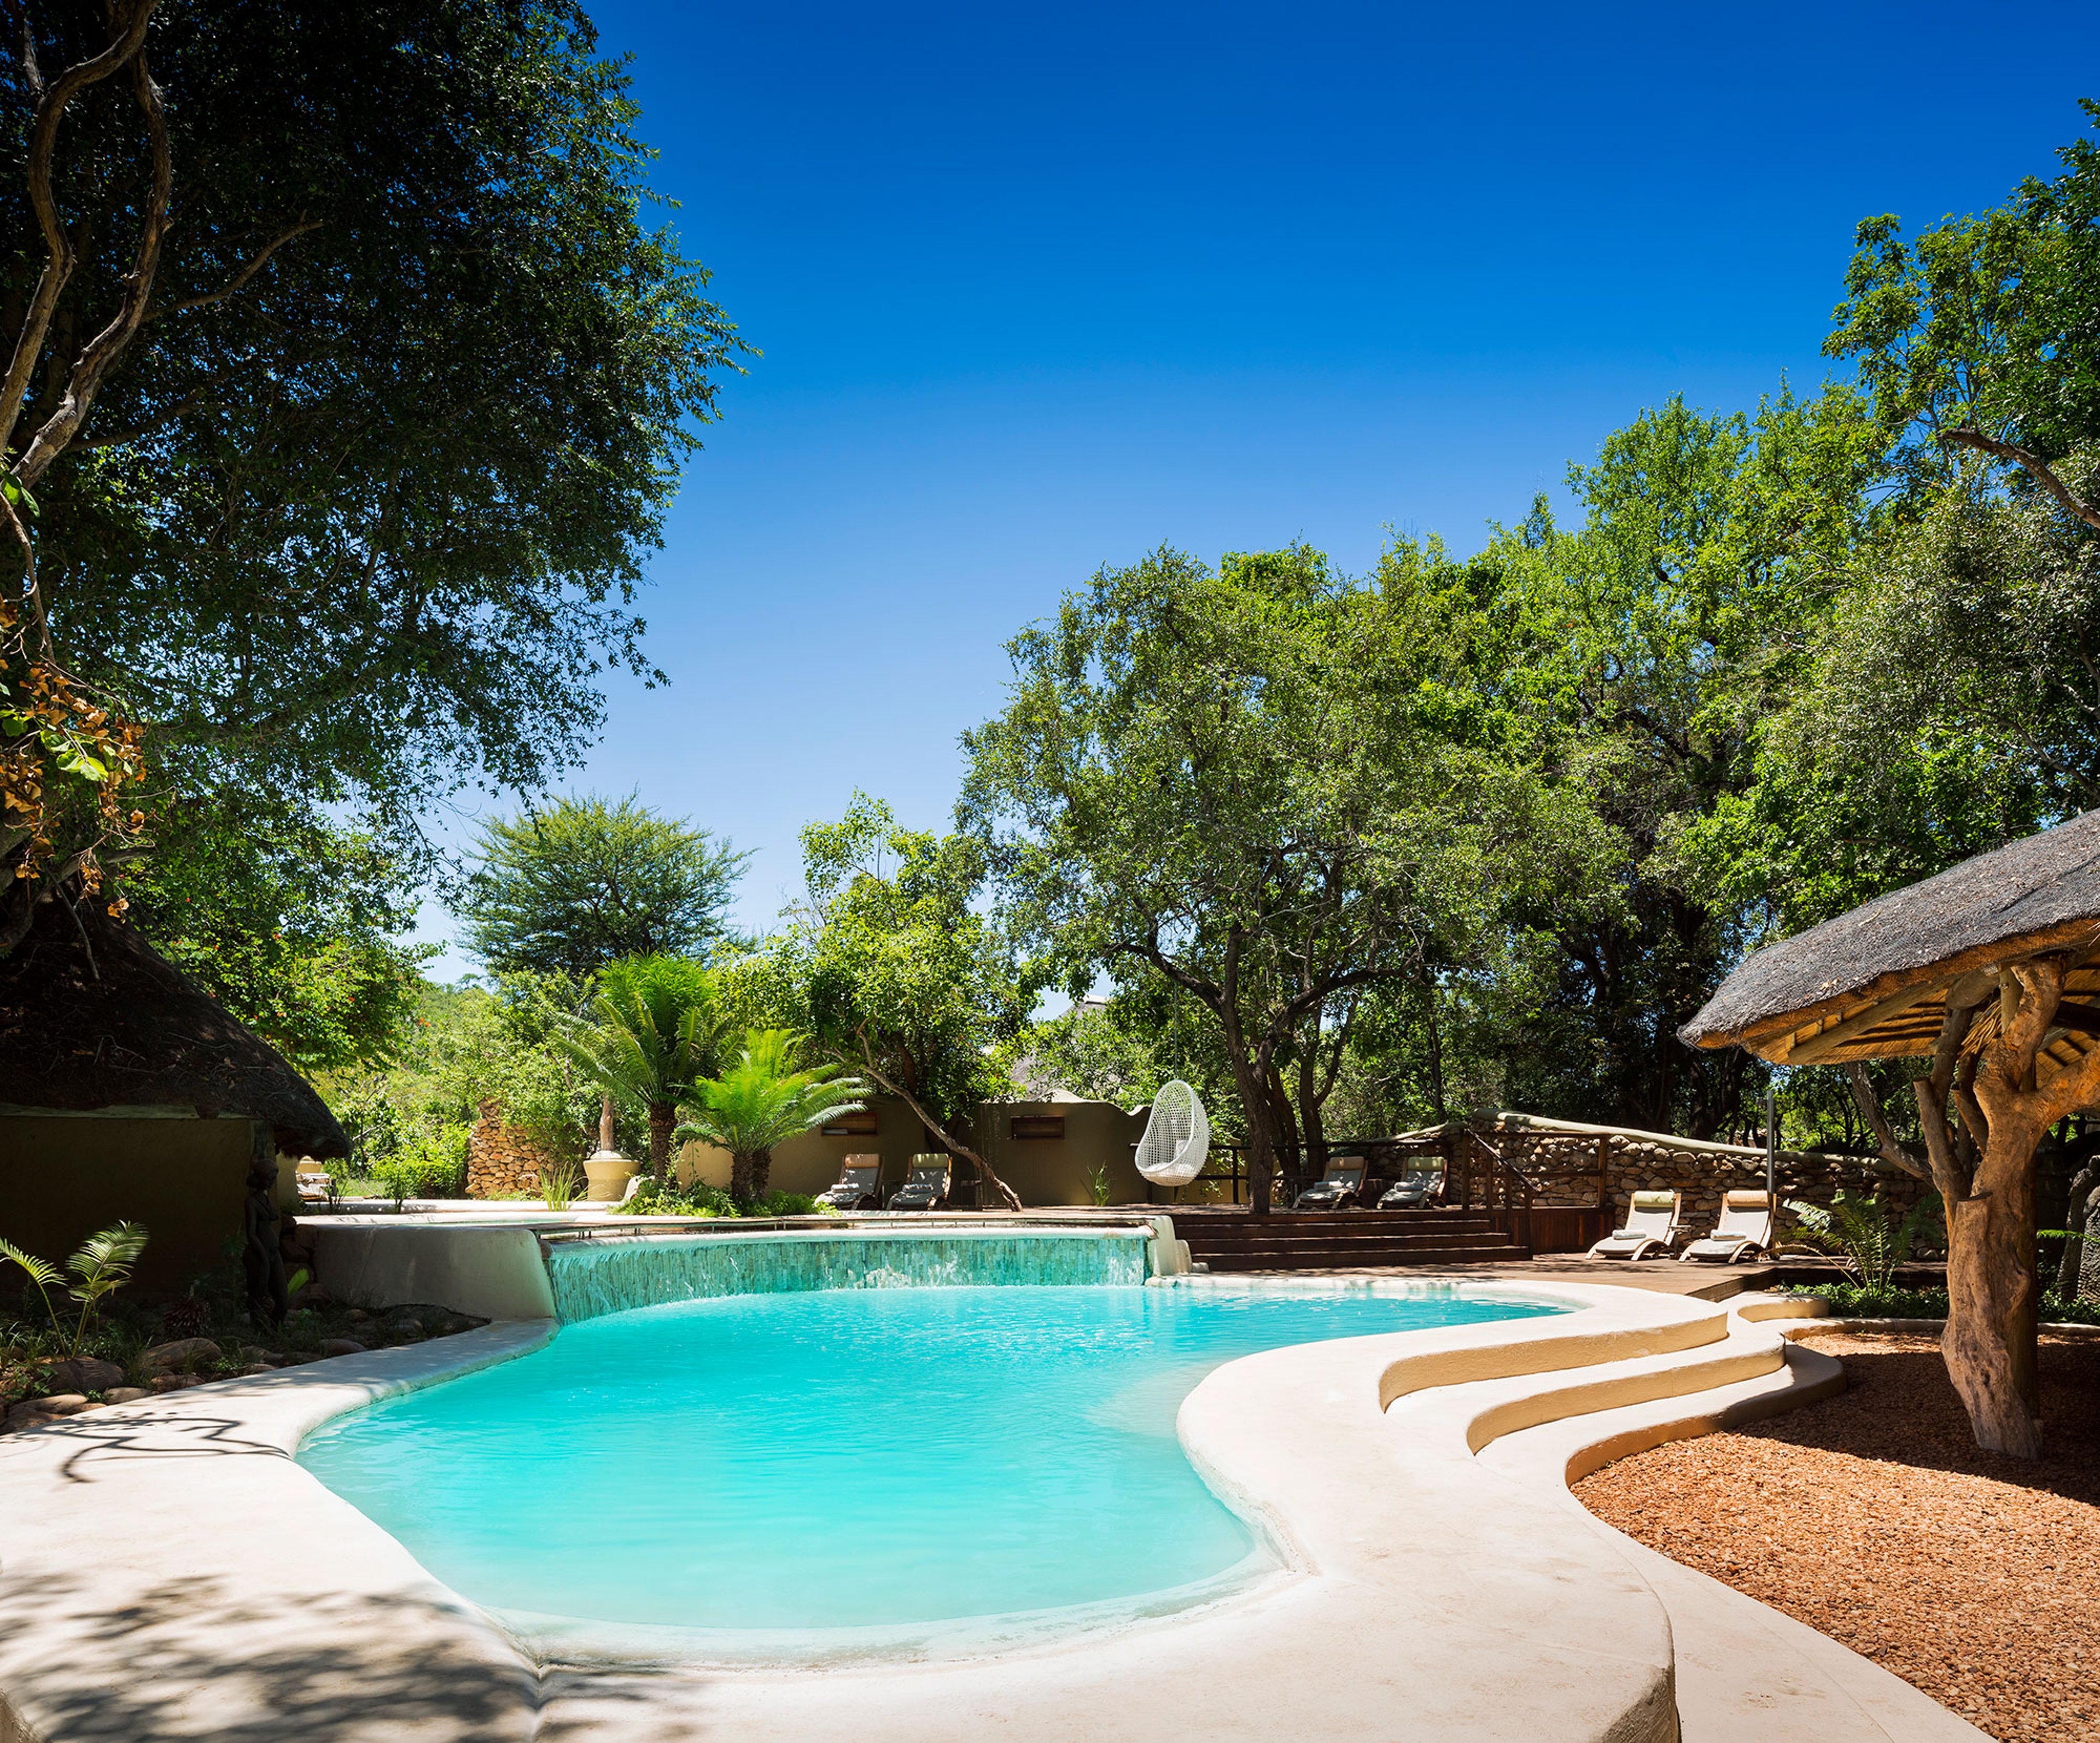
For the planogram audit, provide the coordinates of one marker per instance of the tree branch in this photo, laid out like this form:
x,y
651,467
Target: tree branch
x,y
85,378
1870,1109
51,103
2029,462
239,278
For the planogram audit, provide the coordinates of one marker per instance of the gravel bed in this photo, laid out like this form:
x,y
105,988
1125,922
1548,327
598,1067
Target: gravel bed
x,y
1874,1517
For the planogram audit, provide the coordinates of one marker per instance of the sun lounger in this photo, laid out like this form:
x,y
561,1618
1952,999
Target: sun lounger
x,y
1416,1189
1651,1225
1342,1184
927,1187
1745,1230
858,1187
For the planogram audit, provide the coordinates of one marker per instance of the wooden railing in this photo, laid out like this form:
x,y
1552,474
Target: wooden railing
x,y
1488,1182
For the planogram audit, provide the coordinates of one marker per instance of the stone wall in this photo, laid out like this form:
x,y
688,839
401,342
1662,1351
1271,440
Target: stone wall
x,y
500,1160
1566,1166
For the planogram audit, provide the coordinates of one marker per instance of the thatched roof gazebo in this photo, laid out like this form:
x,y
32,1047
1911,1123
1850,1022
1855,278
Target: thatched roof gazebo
x,y
1992,969
127,1090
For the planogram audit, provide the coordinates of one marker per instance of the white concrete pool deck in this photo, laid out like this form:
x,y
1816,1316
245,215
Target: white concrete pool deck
x,y
167,1571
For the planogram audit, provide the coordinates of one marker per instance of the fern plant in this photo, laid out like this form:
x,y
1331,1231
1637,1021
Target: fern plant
x,y
1862,1231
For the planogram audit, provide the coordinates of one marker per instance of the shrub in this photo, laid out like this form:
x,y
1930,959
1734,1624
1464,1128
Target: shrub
x,y
1849,1301
655,1197
1868,1236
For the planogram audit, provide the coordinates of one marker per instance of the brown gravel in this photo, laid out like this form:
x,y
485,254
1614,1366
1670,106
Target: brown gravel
x,y
1873,1517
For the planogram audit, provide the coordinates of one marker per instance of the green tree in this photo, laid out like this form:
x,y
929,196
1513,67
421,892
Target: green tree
x,y
887,961
765,1096
1261,784
294,926
654,1033
343,482
1639,650
568,887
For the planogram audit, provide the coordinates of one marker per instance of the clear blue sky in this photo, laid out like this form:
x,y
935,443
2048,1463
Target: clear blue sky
x,y
1040,288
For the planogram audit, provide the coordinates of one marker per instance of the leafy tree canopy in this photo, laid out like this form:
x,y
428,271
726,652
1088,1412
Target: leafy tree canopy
x,y
407,378
571,886
890,962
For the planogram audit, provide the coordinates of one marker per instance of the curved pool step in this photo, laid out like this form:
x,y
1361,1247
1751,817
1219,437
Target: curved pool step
x,y
1745,1673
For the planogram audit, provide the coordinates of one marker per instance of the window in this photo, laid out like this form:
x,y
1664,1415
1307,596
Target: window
x,y
860,1125
1024,1126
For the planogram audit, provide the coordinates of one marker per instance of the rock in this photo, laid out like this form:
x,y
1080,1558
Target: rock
x,y
60,1404
84,1374
357,1314
184,1353
175,1382
126,1394
342,1347
404,1328
257,1367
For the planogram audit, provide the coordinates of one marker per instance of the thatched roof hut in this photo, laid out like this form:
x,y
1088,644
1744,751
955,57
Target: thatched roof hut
x,y
1877,982
93,1020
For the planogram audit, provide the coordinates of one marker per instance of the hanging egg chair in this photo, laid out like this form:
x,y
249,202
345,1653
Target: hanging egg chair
x,y
1177,1137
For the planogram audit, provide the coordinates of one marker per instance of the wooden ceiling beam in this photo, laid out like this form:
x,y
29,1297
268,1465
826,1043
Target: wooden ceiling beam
x,y
1819,1046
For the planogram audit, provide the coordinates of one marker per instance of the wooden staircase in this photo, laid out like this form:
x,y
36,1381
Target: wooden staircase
x,y
1329,1240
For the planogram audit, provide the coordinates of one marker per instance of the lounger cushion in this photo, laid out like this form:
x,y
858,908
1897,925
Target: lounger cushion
x,y
1747,1201
1654,1201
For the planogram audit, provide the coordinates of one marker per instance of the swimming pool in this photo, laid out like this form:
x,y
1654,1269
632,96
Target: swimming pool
x,y
863,1461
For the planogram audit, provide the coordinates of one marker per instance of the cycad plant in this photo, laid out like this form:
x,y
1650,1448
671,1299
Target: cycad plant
x,y
101,1267
767,1097
654,1030
1863,1230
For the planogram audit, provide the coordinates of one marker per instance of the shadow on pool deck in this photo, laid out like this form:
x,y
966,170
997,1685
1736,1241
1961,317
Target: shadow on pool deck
x,y
189,1659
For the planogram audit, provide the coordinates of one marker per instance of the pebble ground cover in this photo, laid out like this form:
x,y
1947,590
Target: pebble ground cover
x,y
1874,1517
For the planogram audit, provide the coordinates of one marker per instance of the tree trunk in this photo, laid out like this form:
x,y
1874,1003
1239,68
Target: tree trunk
x,y
2076,1217
1991,1291
762,1172
663,1120
1436,1050
742,1168
1309,1112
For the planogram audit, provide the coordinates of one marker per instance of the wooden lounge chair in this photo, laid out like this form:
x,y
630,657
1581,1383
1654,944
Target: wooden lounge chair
x,y
1416,1189
1342,1184
1651,1225
858,1187
927,1187
1745,1230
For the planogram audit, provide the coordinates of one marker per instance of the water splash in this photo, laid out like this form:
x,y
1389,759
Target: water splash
x,y
592,1277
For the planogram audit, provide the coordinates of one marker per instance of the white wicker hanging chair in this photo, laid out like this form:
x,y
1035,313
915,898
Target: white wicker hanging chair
x,y
1176,1139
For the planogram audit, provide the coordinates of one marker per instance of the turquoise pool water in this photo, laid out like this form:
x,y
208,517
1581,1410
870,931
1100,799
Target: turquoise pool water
x,y
848,1458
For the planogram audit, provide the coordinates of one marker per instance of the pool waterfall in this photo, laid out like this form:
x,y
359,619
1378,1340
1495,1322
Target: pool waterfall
x,y
610,1274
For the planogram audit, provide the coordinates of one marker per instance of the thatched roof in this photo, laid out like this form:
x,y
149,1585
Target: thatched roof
x,y
1876,982
91,1018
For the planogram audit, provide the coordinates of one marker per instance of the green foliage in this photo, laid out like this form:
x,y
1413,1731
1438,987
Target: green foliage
x,y
1871,1238
1850,1301
890,965
466,1046
360,516
1106,1050
655,1197
1990,325
292,925
559,1183
764,1096
101,1267
571,886
654,1035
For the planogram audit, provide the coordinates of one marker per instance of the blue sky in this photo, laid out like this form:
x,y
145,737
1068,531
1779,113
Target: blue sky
x,y
1040,288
